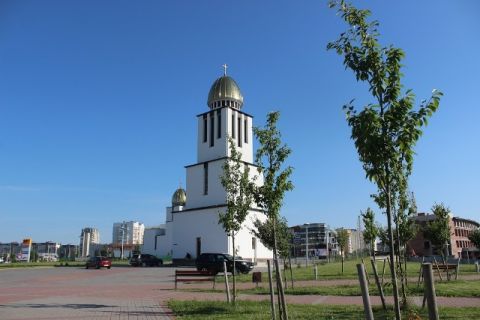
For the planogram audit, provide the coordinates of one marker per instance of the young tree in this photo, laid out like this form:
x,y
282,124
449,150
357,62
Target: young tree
x,y
371,231
270,158
438,230
342,240
405,231
384,132
475,238
264,232
236,181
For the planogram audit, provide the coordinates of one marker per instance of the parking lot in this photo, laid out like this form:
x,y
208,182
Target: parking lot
x,y
77,293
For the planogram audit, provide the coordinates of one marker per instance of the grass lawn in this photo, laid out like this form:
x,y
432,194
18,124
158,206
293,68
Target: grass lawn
x,y
192,310
333,270
457,288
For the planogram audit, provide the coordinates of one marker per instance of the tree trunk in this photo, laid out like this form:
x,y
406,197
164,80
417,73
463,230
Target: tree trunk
x,y
291,271
234,287
392,250
281,293
399,264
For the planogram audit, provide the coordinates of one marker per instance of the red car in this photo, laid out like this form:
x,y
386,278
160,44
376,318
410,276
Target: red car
x,y
98,262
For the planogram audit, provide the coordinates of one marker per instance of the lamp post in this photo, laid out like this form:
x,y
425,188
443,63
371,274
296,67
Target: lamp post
x,y
306,245
327,230
123,236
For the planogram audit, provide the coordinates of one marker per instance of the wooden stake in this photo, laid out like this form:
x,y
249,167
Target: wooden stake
x,y
226,281
383,272
379,286
365,296
438,269
420,272
430,292
458,269
272,293
366,271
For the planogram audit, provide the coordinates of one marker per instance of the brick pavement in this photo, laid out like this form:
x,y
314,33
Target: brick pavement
x,y
75,293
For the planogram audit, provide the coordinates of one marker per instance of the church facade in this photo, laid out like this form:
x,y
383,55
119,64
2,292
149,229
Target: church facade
x,y
191,225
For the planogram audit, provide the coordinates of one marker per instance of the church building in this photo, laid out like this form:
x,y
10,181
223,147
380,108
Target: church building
x,y
191,226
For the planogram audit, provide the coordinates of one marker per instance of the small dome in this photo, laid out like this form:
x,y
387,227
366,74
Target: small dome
x,y
179,197
226,92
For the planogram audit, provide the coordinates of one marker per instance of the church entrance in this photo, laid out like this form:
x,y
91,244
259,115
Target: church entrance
x,y
199,246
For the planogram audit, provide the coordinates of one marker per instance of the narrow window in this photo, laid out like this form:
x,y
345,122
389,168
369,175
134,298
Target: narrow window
x,y
205,178
204,128
212,128
239,132
245,130
219,124
233,126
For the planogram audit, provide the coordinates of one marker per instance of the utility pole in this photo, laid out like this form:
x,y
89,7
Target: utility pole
x,y
123,236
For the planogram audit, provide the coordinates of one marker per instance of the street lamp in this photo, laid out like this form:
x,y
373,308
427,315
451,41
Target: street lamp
x,y
123,228
306,245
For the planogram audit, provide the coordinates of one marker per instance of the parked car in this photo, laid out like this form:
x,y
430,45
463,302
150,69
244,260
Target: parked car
x,y
213,262
145,260
98,262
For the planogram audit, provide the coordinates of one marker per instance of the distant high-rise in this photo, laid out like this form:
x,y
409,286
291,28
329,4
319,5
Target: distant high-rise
x,y
131,232
88,237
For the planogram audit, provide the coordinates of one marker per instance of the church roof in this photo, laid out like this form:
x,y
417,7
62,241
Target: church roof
x,y
225,88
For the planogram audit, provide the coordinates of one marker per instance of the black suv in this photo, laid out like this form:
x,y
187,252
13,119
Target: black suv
x,y
145,260
213,262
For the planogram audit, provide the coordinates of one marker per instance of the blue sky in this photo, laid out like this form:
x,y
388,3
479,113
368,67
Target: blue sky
x,y
98,102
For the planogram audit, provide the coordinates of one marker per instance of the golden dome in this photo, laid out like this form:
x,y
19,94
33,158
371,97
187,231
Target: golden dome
x,y
225,89
179,197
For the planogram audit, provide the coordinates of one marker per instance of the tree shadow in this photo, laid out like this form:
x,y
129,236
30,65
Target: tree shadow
x,y
66,306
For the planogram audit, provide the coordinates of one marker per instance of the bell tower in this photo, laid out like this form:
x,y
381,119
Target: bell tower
x,y
224,119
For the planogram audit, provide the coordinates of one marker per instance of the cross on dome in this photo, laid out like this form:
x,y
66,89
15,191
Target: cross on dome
x,y
225,66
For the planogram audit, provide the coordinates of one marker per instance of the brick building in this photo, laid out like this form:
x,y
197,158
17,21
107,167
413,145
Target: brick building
x,y
459,244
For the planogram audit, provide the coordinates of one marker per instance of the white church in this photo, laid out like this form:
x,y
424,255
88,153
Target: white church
x,y
191,225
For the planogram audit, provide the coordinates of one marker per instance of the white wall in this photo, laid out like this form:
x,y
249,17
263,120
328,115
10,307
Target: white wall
x,y
243,240
192,224
195,184
152,235
204,224
220,148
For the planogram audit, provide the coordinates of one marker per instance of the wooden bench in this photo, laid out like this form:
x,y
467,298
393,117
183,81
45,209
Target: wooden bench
x,y
193,276
441,267
447,268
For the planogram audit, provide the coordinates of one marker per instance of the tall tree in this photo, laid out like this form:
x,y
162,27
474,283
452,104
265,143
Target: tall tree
x,y
236,180
270,158
384,132
371,231
342,240
438,230
475,238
